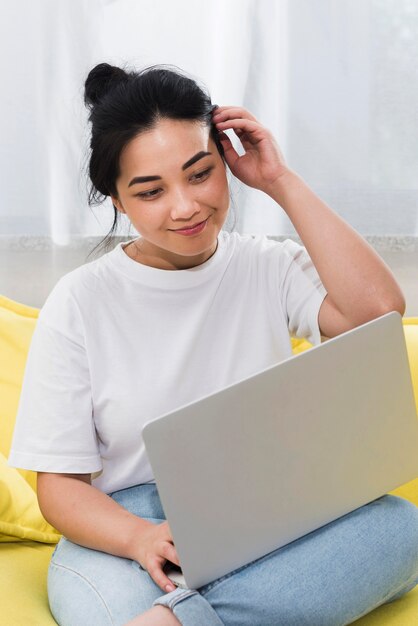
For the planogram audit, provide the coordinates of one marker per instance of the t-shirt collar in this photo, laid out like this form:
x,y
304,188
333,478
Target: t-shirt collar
x,y
167,279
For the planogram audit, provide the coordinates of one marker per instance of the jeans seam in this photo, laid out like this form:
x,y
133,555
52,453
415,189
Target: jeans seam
x,y
393,593
64,567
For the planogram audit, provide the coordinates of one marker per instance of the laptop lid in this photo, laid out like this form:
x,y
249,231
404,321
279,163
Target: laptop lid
x,y
275,456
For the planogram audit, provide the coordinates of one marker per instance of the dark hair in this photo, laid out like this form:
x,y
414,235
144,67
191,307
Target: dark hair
x,y
125,103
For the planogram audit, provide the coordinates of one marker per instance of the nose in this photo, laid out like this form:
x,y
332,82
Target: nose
x,y
184,207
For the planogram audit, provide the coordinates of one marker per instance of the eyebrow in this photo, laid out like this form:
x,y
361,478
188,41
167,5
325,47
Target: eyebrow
x,y
189,163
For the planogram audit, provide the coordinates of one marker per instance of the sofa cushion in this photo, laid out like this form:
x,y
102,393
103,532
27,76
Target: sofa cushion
x,y
23,584
401,612
20,516
410,326
17,323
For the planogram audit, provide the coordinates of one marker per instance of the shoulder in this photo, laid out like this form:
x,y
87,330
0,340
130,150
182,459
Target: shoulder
x,y
260,245
63,306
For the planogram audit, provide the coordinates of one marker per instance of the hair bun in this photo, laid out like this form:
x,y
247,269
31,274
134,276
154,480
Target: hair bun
x,y
101,80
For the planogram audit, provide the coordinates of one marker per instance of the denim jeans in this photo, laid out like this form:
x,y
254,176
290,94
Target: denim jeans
x,y
329,577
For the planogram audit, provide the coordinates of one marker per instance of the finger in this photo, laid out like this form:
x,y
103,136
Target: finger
x,y
168,544
223,113
155,570
232,109
255,132
169,552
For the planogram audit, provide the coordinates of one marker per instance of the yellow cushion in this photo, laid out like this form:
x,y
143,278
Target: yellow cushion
x,y
401,612
410,326
410,490
299,345
23,580
20,516
17,323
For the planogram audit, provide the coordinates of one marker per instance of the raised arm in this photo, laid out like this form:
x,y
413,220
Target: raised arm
x,y
360,285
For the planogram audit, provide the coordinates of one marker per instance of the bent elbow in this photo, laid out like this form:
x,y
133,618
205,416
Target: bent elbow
x,y
395,304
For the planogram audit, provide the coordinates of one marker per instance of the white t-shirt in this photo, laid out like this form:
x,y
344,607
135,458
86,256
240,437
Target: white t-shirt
x,y
118,343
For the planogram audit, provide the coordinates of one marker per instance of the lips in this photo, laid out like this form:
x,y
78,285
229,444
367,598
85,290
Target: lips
x,y
191,231
191,226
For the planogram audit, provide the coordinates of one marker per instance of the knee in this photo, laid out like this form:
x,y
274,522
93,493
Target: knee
x,y
99,597
73,600
402,515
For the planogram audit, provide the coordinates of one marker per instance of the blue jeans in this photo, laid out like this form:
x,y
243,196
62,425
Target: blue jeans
x,y
329,577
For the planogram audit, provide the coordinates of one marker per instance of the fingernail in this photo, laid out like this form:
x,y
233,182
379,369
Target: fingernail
x,y
170,588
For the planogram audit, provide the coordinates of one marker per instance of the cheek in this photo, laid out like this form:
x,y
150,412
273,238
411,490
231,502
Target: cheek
x,y
224,191
143,218
218,188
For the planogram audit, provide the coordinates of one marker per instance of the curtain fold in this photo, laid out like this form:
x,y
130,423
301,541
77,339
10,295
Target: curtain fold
x,y
336,83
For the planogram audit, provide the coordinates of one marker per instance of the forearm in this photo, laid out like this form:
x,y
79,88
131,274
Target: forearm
x,y
357,280
89,517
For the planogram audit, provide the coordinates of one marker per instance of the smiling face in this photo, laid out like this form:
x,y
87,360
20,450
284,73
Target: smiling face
x,y
173,177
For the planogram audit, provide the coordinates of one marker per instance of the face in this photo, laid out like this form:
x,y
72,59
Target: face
x,y
168,182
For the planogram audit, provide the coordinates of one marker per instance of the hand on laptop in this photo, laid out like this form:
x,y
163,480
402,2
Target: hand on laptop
x,y
155,548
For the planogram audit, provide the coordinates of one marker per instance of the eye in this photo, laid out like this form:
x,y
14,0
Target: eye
x,y
148,194
201,175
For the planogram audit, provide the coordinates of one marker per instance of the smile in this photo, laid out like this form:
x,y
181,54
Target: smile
x,y
192,230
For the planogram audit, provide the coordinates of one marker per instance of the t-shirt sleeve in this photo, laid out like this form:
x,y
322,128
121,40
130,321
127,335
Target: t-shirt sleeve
x,y
301,292
54,430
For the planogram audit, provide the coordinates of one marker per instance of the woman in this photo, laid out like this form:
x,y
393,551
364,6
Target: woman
x,y
180,312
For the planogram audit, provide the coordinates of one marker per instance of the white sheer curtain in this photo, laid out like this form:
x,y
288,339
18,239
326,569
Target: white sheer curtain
x,y
352,117
45,50
335,81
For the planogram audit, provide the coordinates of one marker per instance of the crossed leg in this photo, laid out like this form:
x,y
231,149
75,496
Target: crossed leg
x,y
329,577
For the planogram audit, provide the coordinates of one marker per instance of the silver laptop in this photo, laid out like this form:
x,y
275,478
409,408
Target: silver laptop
x,y
275,456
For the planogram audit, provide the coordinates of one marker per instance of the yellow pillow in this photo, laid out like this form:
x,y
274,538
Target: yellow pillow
x,y
410,327
20,516
17,323
299,345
